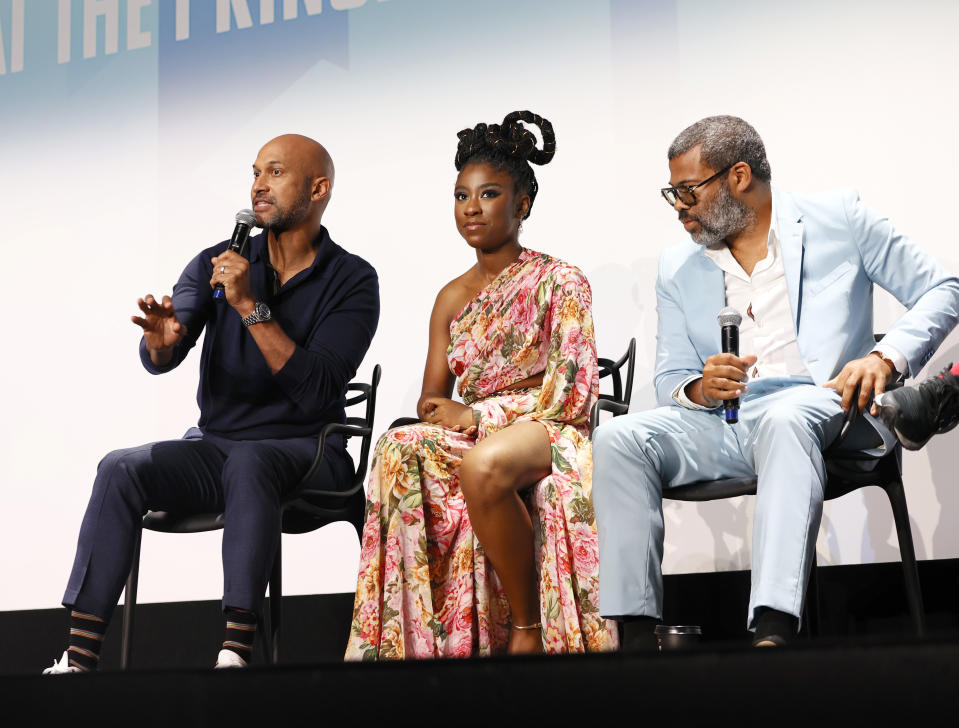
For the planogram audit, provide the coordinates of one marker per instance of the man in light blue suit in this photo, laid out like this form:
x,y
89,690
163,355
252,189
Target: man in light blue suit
x,y
801,271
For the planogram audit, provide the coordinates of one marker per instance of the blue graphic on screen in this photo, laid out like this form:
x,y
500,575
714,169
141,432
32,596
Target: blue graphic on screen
x,y
224,73
62,69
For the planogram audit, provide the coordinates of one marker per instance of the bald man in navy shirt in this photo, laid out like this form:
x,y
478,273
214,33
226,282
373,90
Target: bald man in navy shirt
x,y
279,351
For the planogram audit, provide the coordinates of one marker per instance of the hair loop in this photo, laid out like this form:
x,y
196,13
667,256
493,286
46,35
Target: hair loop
x,y
525,140
509,138
509,146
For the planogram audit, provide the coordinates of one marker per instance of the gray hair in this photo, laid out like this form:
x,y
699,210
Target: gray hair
x,y
725,141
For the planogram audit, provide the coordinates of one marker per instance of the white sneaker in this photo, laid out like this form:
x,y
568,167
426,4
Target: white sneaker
x,y
62,667
228,658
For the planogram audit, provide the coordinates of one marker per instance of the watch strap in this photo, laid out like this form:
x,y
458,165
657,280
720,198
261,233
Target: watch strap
x,y
256,317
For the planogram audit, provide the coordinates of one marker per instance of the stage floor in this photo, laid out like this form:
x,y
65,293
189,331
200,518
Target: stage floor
x,y
812,683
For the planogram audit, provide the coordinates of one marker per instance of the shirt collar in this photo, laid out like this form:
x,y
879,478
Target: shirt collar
x,y
773,238
259,251
260,258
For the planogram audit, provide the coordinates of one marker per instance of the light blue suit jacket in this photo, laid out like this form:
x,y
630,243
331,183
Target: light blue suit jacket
x,y
834,249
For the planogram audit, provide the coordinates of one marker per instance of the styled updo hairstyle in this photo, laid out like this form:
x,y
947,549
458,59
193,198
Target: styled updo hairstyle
x,y
509,147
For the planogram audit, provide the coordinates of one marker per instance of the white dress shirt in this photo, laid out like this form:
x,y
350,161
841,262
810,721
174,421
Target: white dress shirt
x,y
767,329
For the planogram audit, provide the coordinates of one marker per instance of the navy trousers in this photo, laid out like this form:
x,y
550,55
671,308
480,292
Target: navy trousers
x,y
244,479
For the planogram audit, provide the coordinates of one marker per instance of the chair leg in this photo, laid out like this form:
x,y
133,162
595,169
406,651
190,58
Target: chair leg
x,y
813,611
358,519
358,527
910,570
129,604
276,600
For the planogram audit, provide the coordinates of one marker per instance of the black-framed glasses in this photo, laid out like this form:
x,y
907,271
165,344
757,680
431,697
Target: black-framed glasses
x,y
686,194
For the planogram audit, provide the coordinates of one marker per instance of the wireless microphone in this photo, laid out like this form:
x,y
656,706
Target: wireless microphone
x,y
729,320
245,220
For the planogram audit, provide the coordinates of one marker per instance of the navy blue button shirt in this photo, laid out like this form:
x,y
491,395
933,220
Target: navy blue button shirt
x,y
330,311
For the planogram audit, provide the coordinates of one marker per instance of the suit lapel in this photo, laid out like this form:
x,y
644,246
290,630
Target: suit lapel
x,y
789,220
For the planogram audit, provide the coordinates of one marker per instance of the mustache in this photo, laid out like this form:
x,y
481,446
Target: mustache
x,y
684,216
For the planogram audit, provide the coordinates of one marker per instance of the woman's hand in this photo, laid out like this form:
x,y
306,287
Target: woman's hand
x,y
446,413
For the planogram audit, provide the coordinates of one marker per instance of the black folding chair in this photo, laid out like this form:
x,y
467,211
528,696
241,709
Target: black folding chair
x,y
305,509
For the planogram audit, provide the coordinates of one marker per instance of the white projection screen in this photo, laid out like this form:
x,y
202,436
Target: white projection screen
x,y
127,131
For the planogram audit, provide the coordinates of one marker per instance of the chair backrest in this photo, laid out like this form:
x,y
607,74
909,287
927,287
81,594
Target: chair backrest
x,y
613,370
618,402
367,393
353,427
306,508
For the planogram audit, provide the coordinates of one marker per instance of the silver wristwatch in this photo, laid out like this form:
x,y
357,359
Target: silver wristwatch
x,y
261,313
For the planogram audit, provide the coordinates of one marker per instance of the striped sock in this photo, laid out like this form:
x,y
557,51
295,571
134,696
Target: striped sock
x,y
86,639
240,632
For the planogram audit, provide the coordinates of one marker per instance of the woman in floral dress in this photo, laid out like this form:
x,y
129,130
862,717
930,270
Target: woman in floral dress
x,y
479,531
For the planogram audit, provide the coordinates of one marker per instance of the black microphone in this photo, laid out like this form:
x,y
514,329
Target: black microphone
x,y
729,320
245,220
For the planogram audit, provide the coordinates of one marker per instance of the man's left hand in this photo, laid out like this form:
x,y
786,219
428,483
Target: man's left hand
x,y
871,374
233,271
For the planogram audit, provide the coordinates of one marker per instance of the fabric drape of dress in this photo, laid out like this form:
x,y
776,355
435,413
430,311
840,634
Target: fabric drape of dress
x,y
425,588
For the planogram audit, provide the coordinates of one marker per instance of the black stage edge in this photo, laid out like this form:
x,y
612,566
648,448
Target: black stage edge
x,y
864,665
857,602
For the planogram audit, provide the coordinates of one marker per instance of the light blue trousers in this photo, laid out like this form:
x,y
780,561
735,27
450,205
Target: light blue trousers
x,y
782,431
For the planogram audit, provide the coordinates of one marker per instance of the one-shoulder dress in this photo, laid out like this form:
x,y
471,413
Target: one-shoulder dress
x,y
425,588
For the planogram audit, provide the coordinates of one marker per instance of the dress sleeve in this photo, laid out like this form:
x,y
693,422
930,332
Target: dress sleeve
x,y
571,379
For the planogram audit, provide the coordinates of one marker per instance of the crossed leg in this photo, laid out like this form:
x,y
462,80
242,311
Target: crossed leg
x,y
491,475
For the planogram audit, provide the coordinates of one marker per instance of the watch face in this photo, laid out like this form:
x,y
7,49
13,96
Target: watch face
x,y
262,310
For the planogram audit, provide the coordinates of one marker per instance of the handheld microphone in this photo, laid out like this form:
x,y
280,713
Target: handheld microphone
x,y
729,320
245,220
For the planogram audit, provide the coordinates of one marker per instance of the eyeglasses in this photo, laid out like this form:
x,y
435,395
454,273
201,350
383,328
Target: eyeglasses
x,y
685,194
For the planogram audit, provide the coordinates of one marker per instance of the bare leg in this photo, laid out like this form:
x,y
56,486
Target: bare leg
x,y
490,476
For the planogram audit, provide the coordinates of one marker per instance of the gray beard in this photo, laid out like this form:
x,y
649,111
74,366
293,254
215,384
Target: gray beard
x,y
725,217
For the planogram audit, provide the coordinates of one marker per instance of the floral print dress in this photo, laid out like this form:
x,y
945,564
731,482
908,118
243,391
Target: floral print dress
x,y
425,588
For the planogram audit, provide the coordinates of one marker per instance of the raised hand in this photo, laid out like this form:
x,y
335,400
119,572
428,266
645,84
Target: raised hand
x,y
162,330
